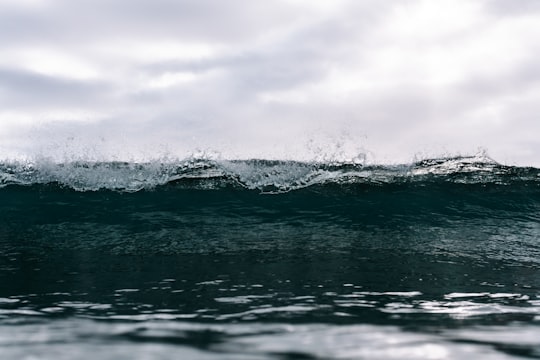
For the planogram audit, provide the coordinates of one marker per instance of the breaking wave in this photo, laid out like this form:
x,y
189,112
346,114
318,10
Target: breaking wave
x,y
272,176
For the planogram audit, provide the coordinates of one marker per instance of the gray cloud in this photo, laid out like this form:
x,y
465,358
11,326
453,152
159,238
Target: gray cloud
x,y
276,75
513,8
68,21
23,89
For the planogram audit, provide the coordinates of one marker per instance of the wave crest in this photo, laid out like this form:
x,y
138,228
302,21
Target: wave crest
x,y
261,175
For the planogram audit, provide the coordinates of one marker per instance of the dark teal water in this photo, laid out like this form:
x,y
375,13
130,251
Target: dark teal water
x,y
438,260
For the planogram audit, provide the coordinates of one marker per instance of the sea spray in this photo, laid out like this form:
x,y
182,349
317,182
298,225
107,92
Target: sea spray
x,y
263,175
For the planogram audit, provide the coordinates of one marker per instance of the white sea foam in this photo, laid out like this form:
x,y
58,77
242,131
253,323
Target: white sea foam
x,y
263,175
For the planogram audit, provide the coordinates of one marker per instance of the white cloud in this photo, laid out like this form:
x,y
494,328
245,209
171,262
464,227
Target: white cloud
x,y
171,79
29,5
144,51
47,60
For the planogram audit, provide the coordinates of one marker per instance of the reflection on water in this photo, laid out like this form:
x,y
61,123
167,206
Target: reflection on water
x,y
63,305
82,338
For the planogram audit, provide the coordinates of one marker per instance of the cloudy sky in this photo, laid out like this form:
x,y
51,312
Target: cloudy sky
x,y
131,79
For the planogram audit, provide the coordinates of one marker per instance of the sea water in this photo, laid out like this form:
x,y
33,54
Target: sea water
x,y
202,259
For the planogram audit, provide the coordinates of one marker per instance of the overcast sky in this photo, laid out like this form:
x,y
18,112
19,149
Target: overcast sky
x,y
128,79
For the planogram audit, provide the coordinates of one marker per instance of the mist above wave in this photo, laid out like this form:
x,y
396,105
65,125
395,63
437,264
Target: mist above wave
x,y
256,174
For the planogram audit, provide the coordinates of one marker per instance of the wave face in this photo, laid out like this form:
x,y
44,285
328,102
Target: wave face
x,y
251,259
262,175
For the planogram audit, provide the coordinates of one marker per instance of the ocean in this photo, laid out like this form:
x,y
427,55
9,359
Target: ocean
x,y
267,259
